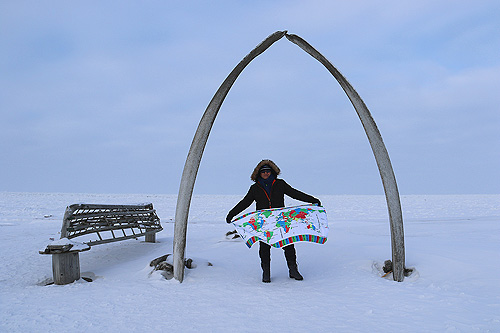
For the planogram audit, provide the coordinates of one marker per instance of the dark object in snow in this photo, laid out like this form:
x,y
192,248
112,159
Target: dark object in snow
x,y
188,263
110,223
165,265
387,266
156,261
232,234
388,269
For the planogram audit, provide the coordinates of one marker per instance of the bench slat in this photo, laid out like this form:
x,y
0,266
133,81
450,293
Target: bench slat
x,y
110,240
110,206
92,212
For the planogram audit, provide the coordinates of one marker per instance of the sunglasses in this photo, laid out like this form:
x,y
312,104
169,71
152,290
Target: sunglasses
x,y
265,171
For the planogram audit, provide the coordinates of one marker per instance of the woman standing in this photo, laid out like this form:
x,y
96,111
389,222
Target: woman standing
x,y
268,192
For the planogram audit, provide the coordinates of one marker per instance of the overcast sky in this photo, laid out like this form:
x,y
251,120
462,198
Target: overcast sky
x,y
105,96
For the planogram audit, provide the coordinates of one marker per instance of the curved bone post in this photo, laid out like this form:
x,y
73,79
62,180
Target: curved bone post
x,y
381,156
196,151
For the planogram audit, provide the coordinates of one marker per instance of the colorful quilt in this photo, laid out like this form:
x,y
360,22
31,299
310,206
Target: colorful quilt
x,y
279,227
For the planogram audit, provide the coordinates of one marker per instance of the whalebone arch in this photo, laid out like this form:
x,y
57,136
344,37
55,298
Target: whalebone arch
x,y
203,131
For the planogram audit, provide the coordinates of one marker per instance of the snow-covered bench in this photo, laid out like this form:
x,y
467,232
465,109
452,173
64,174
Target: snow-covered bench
x,y
110,223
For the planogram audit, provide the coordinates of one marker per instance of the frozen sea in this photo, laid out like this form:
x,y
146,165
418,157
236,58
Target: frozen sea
x,y
451,241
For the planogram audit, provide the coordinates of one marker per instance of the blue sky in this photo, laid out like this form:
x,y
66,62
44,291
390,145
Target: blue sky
x,y
105,97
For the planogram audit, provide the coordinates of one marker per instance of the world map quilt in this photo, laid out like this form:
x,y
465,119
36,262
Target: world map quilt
x,y
279,227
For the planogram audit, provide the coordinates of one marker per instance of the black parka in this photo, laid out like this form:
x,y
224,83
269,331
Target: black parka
x,y
264,201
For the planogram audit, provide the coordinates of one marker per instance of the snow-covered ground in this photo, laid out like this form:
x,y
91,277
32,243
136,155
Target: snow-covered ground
x,y
453,242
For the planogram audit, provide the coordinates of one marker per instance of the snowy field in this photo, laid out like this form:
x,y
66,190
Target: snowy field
x,y
453,242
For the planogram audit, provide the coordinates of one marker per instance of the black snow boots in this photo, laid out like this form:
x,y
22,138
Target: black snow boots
x,y
291,261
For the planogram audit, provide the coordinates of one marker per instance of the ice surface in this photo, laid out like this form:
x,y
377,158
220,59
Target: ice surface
x,y
452,241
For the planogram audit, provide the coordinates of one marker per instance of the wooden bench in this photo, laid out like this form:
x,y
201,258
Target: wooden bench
x,y
110,223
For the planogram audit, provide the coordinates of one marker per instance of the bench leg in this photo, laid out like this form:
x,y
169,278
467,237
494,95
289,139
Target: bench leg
x,y
66,267
150,237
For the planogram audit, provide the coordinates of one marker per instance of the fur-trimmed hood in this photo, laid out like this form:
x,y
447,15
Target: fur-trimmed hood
x,y
273,166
